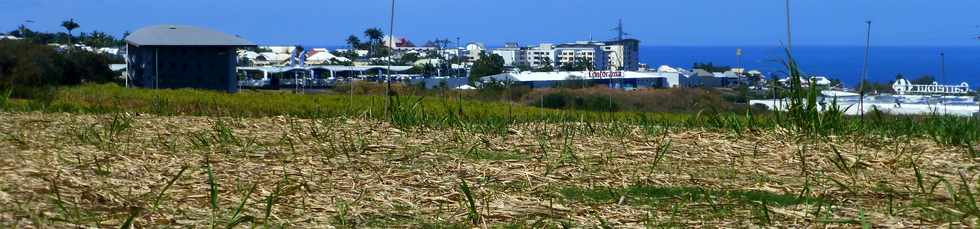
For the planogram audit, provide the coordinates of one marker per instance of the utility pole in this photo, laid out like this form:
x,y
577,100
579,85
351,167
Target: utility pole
x,y
391,41
620,30
864,73
789,29
976,97
459,58
942,78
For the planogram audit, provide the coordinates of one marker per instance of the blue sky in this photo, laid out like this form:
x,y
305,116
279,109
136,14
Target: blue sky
x,y
655,22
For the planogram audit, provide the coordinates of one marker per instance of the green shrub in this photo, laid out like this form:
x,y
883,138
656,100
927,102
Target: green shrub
x,y
600,98
4,97
28,65
31,65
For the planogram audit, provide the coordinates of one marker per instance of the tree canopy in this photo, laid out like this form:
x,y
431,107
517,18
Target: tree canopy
x,y
95,38
577,65
25,64
353,41
546,66
487,65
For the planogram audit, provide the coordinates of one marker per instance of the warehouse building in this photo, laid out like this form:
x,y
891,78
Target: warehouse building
x,y
172,56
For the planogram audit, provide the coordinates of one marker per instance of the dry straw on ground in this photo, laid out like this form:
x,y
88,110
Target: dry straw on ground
x,y
362,173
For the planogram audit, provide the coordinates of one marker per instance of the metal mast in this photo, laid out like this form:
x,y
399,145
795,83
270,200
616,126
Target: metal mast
x,y
620,30
789,29
391,41
942,77
864,73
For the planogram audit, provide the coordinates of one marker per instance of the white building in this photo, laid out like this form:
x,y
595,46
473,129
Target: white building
x,y
511,53
324,58
581,52
622,55
816,80
602,56
820,81
420,50
474,50
540,56
429,61
279,49
271,58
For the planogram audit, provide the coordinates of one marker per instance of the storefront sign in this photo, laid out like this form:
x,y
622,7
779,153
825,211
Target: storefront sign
x,y
606,74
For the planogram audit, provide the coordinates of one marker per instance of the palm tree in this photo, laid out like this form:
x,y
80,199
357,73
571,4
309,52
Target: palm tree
x,y
70,25
374,35
353,41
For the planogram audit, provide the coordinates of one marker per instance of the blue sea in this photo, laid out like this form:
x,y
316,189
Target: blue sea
x,y
840,62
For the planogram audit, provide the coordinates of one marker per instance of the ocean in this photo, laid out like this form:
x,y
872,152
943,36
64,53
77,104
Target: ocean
x,y
840,62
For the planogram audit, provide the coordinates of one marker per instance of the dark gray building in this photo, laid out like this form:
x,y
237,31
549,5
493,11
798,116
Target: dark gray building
x,y
175,56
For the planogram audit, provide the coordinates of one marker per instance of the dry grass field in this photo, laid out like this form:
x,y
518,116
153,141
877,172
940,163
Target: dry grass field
x,y
80,170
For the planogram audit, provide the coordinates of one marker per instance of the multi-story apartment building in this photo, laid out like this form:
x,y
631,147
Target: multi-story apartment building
x,y
622,55
536,57
511,53
581,52
474,50
614,55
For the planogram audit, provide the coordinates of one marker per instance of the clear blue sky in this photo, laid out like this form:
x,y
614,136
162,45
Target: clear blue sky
x,y
655,22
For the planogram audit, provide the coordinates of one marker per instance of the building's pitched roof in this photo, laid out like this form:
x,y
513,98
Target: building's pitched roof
x,y
179,35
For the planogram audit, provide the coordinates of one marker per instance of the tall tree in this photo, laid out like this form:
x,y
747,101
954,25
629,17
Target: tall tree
x,y
98,39
374,35
409,59
70,25
487,65
354,42
577,64
546,66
